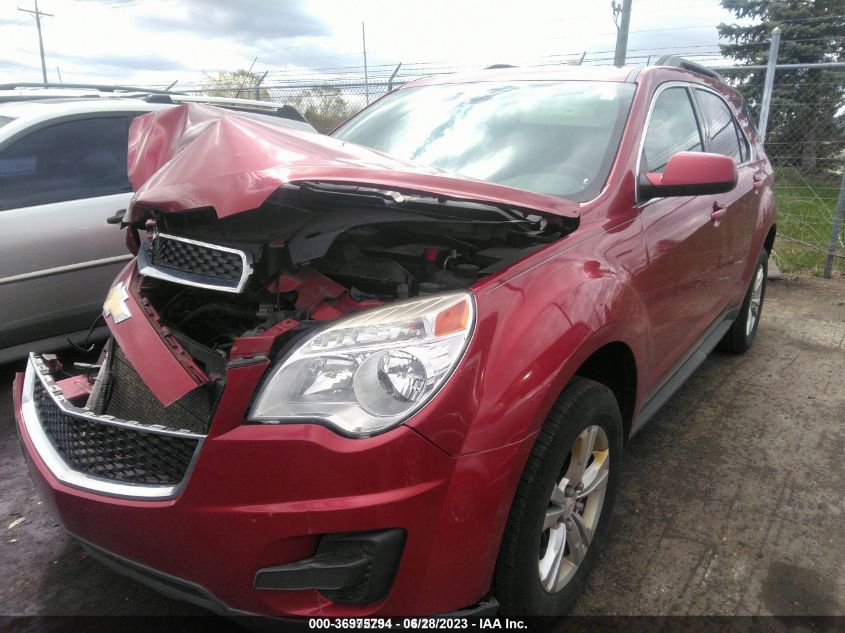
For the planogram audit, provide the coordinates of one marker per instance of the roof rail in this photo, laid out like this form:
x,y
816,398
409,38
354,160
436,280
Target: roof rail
x,y
679,62
99,87
498,66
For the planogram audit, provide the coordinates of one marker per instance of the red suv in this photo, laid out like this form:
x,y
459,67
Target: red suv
x,y
391,371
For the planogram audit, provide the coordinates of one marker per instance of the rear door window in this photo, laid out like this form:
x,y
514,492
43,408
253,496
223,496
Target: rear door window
x,y
672,128
71,160
723,133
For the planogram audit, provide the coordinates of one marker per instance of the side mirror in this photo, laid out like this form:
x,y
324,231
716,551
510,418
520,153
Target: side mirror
x,y
690,174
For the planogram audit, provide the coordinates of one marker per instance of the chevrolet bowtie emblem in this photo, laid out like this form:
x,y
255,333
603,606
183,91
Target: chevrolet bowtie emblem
x,y
115,305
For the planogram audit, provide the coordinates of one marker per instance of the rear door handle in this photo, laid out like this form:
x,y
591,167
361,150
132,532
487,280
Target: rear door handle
x,y
719,211
759,180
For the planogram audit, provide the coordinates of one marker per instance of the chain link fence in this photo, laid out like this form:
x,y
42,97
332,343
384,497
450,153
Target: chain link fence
x,y
330,104
325,105
805,142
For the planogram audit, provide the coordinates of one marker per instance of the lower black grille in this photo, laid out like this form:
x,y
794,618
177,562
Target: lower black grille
x,y
197,259
128,398
113,452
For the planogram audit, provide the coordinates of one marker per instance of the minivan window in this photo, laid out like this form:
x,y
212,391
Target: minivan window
x,y
66,161
672,128
557,138
723,133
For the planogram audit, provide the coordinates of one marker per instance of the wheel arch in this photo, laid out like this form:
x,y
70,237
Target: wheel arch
x,y
769,242
614,365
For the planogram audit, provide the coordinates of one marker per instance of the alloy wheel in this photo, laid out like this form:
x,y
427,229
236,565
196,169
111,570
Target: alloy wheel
x,y
574,509
756,301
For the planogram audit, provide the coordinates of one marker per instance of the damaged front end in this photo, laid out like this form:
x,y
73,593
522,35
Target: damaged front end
x,y
252,239
239,287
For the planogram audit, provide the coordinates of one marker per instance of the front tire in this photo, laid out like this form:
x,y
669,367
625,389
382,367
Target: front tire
x,y
562,504
740,337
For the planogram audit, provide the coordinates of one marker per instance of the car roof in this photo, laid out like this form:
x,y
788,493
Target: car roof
x,y
534,73
52,108
32,112
619,74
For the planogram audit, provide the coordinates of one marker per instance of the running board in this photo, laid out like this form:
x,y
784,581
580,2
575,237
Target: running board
x,y
686,367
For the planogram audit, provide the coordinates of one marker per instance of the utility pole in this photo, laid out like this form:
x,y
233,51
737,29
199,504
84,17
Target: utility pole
x,y
38,15
366,78
621,30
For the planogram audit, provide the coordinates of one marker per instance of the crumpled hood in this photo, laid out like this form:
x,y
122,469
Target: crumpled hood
x,y
194,156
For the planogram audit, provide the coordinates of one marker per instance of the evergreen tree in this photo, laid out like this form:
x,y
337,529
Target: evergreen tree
x,y
806,124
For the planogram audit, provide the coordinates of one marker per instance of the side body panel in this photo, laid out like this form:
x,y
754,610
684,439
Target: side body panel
x,y
57,262
684,291
57,254
757,214
534,329
653,281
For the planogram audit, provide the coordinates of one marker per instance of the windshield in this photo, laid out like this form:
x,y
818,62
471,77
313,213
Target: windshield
x,y
555,138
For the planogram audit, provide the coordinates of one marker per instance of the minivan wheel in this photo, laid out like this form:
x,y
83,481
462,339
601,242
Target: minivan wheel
x,y
562,504
741,335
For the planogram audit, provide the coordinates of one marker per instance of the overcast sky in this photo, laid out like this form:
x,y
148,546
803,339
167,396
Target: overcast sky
x,y
161,41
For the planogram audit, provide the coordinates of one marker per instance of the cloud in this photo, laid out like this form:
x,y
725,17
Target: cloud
x,y
118,61
11,65
158,41
254,19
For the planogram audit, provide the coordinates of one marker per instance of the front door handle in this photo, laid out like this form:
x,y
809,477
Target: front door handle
x,y
719,211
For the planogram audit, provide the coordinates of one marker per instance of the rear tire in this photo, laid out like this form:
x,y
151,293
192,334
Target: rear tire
x,y
741,335
562,505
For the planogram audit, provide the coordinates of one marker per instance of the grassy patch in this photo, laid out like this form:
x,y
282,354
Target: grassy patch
x,y
805,209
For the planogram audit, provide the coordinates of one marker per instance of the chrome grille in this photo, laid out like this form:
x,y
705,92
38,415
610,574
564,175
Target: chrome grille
x,y
186,261
114,452
99,452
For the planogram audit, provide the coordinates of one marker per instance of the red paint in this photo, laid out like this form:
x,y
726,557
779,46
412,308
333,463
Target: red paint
x,y
273,500
311,287
324,298
695,168
649,277
330,310
75,388
261,344
195,156
169,375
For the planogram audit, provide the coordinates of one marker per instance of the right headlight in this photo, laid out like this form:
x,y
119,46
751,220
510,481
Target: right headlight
x,y
369,372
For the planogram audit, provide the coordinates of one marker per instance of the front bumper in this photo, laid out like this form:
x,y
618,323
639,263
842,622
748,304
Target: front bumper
x,y
263,496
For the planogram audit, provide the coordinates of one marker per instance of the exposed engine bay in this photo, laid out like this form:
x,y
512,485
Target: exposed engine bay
x,y
318,251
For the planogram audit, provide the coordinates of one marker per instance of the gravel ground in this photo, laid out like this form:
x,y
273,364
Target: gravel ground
x,y
731,501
